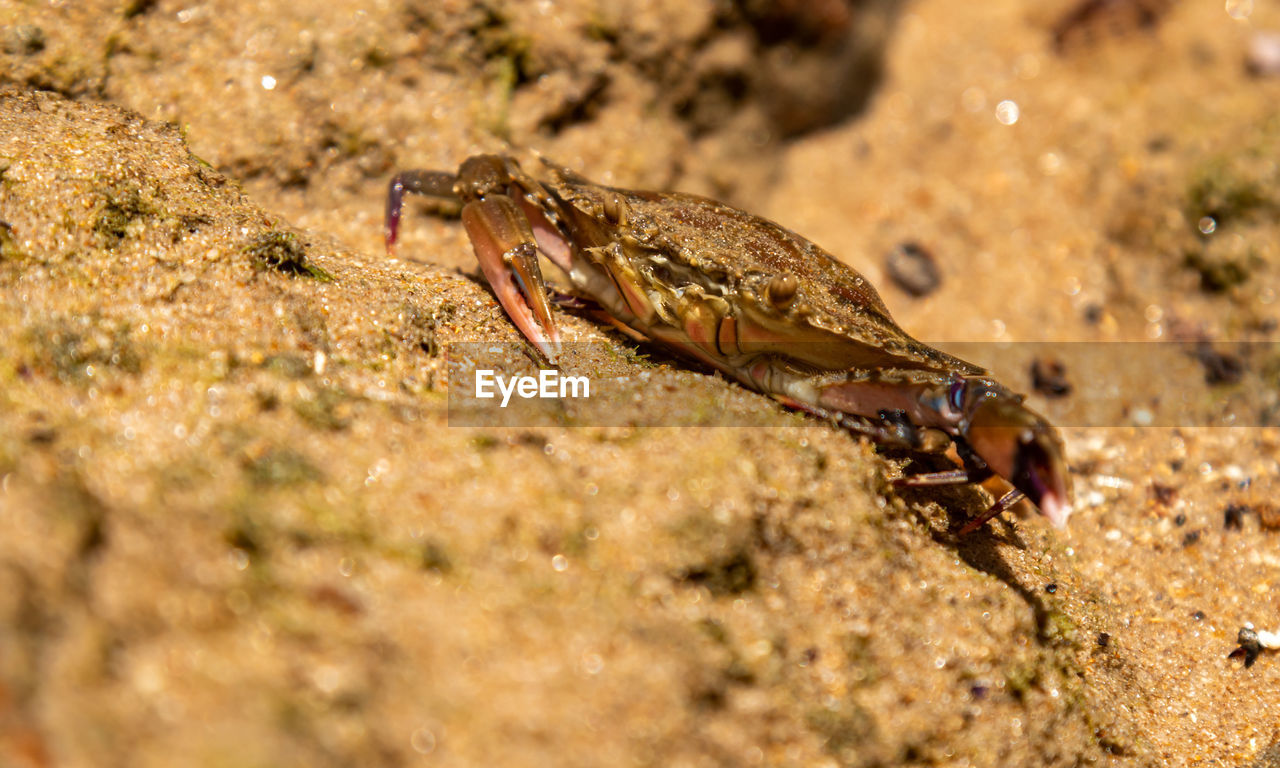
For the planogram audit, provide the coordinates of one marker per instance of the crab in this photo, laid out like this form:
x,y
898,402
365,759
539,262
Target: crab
x,y
753,300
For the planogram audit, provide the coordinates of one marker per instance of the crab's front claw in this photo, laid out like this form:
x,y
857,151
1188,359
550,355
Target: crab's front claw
x,y
1020,446
508,253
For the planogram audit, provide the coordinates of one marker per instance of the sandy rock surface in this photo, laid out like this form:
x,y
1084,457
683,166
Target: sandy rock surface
x,y
238,528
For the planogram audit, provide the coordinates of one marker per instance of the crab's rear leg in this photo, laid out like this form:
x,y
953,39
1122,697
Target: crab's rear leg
x,y
508,254
887,430
975,472
946,477
1001,504
431,183
967,476
893,429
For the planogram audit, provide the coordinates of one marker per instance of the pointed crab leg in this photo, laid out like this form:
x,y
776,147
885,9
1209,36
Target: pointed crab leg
x,y
508,253
1001,504
946,477
964,477
432,183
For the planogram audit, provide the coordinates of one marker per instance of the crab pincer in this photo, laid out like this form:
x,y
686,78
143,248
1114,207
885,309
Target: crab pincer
x,y
501,236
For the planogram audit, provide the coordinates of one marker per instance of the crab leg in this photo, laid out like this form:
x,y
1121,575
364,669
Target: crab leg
x,y
964,477
947,477
891,433
508,253
1003,503
975,472
433,183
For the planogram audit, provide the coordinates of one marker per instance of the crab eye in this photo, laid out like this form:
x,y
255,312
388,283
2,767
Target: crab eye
x,y
955,396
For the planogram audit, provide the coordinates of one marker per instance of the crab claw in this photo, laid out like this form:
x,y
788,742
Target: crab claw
x,y
1020,446
508,253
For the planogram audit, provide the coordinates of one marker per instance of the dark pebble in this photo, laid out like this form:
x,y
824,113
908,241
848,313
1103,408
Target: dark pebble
x,y
1219,367
1249,646
1164,495
1233,517
913,269
1049,378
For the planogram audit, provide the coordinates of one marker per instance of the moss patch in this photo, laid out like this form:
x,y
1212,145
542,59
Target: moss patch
x,y
283,252
74,350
